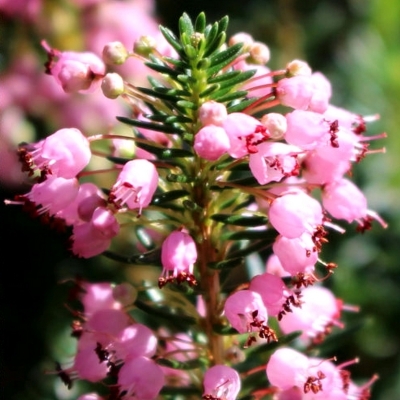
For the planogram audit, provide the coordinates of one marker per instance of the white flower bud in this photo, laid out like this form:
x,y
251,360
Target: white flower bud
x,y
298,67
115,53
276,125
242,37
259,53
112,85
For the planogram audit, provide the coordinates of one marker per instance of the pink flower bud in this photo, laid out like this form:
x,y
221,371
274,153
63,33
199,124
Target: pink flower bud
x,y
221,382
211,142
136,185
141,378
212,113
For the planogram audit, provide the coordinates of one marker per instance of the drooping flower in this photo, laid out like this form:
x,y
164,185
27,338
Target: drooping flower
x,y
221,382
136,185
178,255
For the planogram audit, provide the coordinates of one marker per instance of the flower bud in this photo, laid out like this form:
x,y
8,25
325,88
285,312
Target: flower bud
x,y
112,85
259,53
276,125
242,37
115,53
298,67
145,45
125,293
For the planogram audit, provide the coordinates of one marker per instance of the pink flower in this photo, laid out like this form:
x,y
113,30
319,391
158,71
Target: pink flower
x,y
271,289
243,131
136,185
98,296
53,194
88,366
178,255
94,237
211,142
141,378
297,255
74,71
64,153
90,396
221,382
274,161
295,92
295,213
319,311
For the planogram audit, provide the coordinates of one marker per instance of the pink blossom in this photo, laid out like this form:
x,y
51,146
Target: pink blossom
x,y
295,92
242,308
243,131
274,161
108,323
320,310
53,194
274,266
178,255
211,142
98,296
136,185
94,237
64,153
297,255
221,382
90,396
271,289
141,378
322,93
75,71
260,86
344,200
295,213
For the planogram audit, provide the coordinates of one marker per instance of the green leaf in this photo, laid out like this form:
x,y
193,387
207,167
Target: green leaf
x,y
150,125
152,257
164,154
241,105
185,25
187,104
223,77
252,248
249,234
223,58
171,38
211,35
168,196
240,220
165,312
209,90
223,24
180,178
179,391
229,97
218,42
190,51
163,69
200,23
240,78
225,330
182,365
160,93
227,264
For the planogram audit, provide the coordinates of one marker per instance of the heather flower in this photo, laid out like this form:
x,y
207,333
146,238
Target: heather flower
x,y
274,161
136,185
221,382
292,214
98,296
141,379
178,255
212,113
64,153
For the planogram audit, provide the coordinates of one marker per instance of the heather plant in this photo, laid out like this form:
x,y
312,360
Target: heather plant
x,y
229,181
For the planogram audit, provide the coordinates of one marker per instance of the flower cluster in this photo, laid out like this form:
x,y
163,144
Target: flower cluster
x,y
212,172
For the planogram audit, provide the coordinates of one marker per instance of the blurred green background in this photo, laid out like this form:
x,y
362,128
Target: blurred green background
x,y
356,44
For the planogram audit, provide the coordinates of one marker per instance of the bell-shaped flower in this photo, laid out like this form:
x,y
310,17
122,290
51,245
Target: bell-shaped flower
x,y
136,185
244,133
221,382
212,113
274,161
178,255
271,288
292,214
297,255
140,378
53,194
319,312
295,92
98,296
93,237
